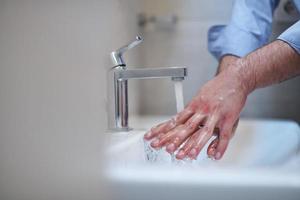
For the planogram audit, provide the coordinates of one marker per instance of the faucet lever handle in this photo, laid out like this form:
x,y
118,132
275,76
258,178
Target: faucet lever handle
x,y
117,55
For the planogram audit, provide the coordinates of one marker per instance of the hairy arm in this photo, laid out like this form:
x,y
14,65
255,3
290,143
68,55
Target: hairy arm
x,y
271,64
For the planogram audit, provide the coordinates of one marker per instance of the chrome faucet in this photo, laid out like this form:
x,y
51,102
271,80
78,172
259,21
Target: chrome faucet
x,y
118,77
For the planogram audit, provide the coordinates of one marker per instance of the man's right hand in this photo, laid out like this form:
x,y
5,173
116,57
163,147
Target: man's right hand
x,y
216,106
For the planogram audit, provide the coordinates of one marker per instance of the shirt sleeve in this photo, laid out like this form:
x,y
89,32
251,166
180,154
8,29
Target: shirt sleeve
x,y
249,28
292,36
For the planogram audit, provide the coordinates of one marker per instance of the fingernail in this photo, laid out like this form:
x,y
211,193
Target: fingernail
x,y
180,154
171,148
211,153
192,153
218,156
147,135
155,142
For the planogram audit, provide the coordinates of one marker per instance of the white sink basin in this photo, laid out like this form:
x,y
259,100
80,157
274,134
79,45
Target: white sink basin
x,y
262,162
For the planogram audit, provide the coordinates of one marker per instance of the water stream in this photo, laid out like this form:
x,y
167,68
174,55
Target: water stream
x,y
179,95
160,155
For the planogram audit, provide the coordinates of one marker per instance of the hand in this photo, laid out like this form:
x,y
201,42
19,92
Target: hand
x,y
216,106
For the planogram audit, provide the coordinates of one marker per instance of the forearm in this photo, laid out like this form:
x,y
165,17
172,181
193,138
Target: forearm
x,y
268,65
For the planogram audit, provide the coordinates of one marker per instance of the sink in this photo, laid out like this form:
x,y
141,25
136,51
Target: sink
x,y
262,162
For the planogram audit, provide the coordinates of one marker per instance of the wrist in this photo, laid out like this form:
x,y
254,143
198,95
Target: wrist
x,y
242,71
226,61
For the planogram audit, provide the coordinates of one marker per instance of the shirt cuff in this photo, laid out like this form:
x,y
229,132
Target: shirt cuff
x,y
230,39
292,36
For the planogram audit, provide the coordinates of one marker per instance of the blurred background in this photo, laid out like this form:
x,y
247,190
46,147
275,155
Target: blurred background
x,y
175,34
53,61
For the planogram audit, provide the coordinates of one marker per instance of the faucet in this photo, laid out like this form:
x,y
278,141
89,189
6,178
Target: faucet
x,y
118,77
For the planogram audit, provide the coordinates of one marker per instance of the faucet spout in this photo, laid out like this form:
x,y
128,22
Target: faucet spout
x,y
151,73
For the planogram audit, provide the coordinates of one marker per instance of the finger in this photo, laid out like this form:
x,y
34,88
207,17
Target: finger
x,y
154,143
190,126
175,142
225,136
204,136
235,127
211,150
169,125
160,128
183,116
180,131
187,146
164,138
194,122
178,135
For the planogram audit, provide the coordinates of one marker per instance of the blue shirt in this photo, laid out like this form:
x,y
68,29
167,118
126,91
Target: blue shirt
x,y
250,28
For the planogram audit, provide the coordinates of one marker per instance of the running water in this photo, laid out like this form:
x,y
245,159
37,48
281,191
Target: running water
x,y
179,95
160,155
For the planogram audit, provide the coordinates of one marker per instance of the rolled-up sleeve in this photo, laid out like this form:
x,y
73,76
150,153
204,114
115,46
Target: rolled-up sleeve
x,y
249,28
292,36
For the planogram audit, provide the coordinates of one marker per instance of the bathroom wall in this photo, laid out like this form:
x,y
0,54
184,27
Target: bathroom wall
x,y
53,61
185,44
